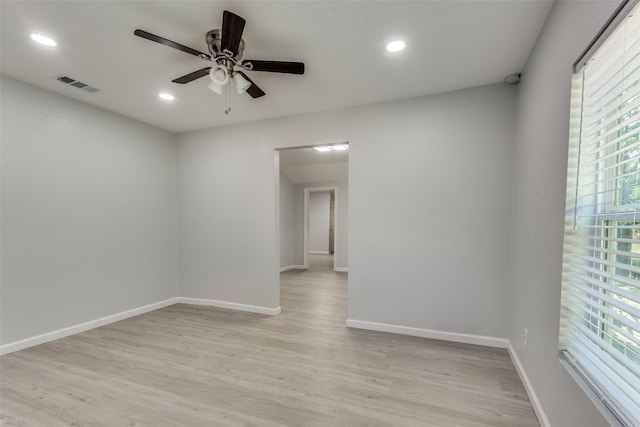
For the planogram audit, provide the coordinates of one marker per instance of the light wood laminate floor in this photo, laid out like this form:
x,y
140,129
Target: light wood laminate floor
x,y
198,366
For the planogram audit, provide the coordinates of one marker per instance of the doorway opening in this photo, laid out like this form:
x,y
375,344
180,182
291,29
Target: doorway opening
x,y
320,225
311,210
312,207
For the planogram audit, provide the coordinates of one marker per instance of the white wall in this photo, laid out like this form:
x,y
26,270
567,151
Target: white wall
x,y
429,208
88,213
319,210
540,166
430,213
286,222
228,226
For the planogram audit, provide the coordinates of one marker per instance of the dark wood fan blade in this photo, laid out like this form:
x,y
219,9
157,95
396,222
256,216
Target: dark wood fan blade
x,y
192,76
166,42
253,90
232,28
275,66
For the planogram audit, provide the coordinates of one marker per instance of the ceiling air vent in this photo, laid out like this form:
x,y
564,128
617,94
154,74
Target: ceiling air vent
x,y
75,83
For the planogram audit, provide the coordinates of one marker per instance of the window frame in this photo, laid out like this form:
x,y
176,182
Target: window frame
x,y
584,325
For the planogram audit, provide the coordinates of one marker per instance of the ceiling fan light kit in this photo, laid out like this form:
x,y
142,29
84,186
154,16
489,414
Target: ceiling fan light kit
x,y
241,83
219,75
215,87
226,47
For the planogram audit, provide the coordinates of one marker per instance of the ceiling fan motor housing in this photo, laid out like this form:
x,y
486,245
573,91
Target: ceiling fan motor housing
x,y
214,38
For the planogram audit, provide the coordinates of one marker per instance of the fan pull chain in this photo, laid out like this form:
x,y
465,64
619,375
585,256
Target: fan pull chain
x,y
228,110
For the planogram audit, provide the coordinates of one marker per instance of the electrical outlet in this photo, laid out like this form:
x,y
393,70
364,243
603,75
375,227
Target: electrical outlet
x,y
525,337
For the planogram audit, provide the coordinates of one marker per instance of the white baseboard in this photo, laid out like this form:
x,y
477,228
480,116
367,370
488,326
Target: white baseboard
x,y
292,267
302,267
428,333
468,339
537,406
320,252
65,332
230,305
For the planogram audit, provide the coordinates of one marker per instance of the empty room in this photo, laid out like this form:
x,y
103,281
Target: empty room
x,y
320,213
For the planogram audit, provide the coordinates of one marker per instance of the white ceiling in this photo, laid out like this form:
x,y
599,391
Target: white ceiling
x,y
450,45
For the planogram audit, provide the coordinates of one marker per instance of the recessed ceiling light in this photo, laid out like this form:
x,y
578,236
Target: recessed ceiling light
x,y
338,147
166,96
43,40
395,46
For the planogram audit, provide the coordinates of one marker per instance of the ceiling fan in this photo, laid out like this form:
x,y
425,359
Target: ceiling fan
x,y
226,47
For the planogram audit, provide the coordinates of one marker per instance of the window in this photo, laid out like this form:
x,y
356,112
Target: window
x,y
600,319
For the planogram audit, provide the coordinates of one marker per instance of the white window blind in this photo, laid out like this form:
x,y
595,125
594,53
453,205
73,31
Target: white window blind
x,y
600,319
